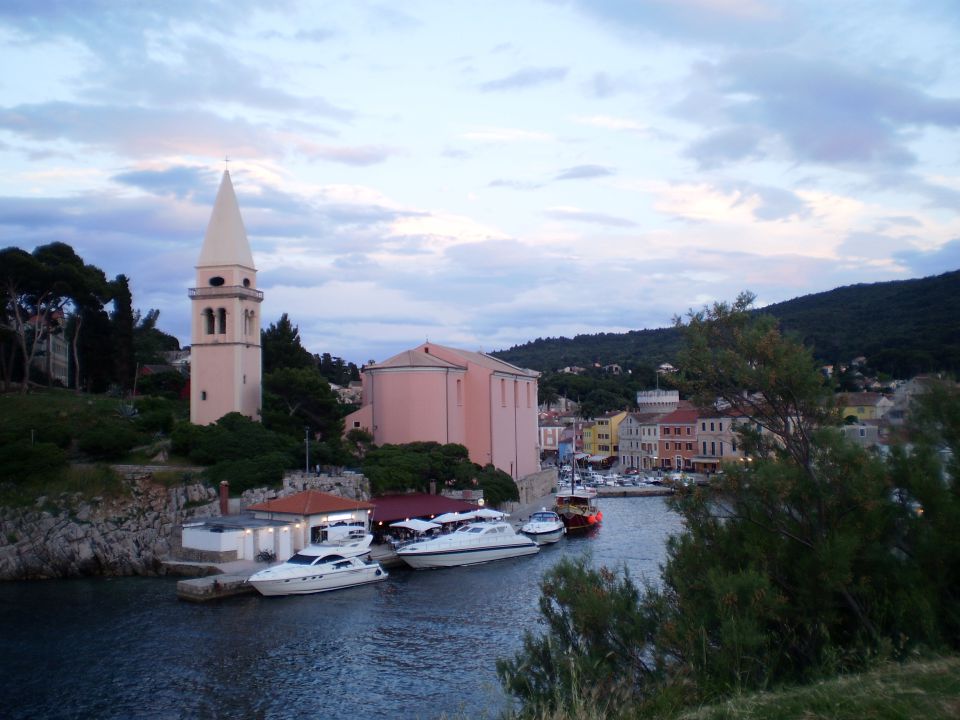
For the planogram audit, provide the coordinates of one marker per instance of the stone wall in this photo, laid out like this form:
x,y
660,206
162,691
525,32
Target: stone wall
x,y
347,484
533,487
68,536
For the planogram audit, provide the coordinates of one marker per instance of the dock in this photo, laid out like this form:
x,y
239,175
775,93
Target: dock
x,y
635,491
214,587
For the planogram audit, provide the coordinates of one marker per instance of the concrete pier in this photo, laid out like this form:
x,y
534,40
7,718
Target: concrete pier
x,y
214,587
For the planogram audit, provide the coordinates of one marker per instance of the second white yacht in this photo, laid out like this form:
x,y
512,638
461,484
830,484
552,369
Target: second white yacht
x,y
471,544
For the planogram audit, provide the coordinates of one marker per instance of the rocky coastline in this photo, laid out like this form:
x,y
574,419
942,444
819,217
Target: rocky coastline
x,y
72,536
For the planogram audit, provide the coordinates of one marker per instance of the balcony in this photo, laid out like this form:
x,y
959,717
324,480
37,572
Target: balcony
x,y
226,291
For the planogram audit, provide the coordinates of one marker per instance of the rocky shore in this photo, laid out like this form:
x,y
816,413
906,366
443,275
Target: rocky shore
x,y
70,536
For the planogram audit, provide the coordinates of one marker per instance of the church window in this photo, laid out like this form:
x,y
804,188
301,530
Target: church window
x,y
246,282
208,321
503,392
222,321
203,394
459,392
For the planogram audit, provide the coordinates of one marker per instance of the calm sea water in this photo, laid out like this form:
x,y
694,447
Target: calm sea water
x,y
420,645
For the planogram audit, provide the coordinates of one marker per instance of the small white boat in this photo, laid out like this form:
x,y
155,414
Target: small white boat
x,y
309,573
544,527
471,544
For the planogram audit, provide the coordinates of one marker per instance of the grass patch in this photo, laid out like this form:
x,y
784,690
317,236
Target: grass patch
x,y
88,482
928,690
175,478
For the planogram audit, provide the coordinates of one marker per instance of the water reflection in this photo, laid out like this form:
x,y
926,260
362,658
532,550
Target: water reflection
x,y
416,646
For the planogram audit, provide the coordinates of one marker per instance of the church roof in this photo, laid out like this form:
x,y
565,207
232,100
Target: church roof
x,y
226,240
414,358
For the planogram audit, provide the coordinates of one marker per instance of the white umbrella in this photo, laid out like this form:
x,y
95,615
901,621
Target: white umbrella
x,y
489,513
416,525
455,517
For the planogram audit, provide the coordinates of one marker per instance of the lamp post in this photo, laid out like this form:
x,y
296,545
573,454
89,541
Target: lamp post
x,y
306,442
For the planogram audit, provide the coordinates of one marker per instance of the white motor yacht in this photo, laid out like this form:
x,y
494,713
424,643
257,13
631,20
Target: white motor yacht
x,y
544,527
471,544
306,572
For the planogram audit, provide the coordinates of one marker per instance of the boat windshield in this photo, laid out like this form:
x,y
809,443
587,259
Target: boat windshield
x,y
543,517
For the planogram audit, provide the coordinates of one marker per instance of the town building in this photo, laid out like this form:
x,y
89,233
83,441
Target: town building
x,y
678,438
717,442
225,353
863,405
550,429
52,352
640,441
588,435
279,527
607,440
446,395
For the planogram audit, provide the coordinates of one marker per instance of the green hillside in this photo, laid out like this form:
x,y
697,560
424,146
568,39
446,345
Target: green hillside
x,y
903,328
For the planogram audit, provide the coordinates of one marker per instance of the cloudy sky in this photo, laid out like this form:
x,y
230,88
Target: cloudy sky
x,y
483,174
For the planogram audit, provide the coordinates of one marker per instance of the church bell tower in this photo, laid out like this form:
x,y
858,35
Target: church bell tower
x,y
225,355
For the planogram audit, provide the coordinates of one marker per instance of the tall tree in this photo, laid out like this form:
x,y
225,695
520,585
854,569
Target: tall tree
x,y
298,398
282,348
37,287
122,321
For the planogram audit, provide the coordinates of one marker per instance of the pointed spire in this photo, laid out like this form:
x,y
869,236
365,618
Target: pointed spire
x,y
226,240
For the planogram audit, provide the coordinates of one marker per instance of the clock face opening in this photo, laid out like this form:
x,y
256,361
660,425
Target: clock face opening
x,y
216,281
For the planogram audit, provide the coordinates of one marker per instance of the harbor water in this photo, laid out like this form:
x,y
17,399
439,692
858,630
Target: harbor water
x,y
423,644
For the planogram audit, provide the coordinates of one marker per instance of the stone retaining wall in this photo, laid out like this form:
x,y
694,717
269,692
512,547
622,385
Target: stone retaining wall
x,y
69,536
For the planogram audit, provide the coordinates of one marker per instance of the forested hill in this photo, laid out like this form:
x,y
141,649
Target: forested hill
x,y
903,328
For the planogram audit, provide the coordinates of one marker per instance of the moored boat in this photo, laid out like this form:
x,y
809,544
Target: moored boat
x,y
475,543
578,510
307,573
544,527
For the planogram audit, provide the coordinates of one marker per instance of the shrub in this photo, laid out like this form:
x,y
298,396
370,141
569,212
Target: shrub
x,y
249,473
155,421
107,441
22,460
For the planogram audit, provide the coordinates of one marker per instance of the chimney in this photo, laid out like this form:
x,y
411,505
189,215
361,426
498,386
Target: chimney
x,y
224,497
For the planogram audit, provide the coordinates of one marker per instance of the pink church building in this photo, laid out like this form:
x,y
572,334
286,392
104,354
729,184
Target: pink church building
x,y
454,396
225,357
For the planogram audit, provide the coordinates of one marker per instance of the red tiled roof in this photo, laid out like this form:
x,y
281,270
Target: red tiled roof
x,y
680,415
310,502
389,508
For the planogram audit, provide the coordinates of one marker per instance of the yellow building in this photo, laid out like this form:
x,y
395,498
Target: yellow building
x,y
589,430
607,433
863,405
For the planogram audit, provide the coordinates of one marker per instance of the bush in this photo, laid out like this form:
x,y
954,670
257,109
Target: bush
x,y
107,441
155,421
165,384
593,646
264,470
497,486
22,460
